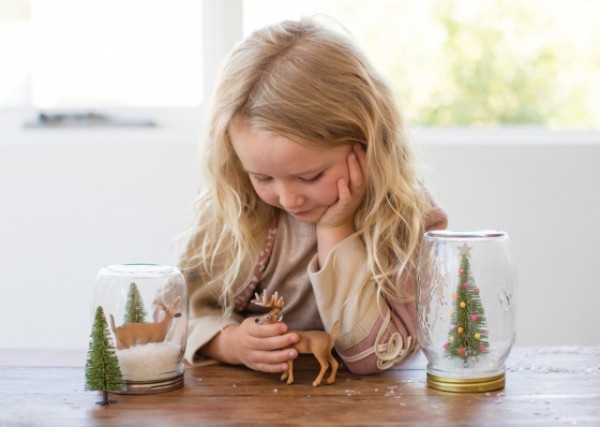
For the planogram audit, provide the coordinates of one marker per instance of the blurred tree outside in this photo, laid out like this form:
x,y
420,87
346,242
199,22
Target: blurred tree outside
x,y
486,62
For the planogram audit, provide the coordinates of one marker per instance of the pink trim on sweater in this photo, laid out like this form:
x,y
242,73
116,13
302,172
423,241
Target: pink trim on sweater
x,y
243,298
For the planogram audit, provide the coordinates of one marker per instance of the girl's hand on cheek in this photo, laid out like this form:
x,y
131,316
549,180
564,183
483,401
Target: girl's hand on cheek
x,y
263,347
350,194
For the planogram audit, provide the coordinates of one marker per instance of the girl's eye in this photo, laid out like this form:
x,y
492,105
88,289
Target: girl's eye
x,y
262,179
313,179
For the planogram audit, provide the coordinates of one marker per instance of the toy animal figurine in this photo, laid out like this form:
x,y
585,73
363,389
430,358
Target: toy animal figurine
x,y
319,343
130,334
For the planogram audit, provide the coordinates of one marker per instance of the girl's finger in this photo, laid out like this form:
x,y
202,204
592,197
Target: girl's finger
x,y
273,361
272,343
360,152
344,195
267,330
355,169
270,368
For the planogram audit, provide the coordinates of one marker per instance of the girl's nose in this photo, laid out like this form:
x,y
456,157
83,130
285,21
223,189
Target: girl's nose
x,y
290,199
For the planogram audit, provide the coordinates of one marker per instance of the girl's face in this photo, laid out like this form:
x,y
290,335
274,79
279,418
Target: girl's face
x,y
300,180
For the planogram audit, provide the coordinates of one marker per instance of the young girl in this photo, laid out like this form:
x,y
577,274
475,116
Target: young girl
x,y
311,192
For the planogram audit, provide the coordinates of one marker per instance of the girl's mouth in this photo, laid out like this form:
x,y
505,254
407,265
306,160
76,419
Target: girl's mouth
x,y
301,213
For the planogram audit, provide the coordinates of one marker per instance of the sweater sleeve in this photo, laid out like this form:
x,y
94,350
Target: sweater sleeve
x,y
200,331
207,316
374,334
206,319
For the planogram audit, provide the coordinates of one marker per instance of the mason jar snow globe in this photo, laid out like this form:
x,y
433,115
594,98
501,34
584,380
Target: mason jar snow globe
x,y
466,304
146,309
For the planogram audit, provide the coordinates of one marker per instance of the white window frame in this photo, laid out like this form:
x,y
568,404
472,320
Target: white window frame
x,y
222,23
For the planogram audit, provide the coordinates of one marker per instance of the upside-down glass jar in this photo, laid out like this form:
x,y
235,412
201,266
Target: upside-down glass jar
x,y
146,309
466,291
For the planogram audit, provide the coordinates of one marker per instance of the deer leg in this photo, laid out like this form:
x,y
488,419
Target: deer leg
x,y
334,367
324,365
289,374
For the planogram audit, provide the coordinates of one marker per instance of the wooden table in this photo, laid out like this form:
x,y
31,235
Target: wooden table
x,y
544,387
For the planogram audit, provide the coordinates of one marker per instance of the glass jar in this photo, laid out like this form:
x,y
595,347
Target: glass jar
x,y
466,290
146,309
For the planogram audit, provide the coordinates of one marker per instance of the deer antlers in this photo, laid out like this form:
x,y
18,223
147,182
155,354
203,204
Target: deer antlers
x,y
276,303
319,343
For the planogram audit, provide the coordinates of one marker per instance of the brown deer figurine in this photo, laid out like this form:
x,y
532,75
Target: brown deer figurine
x,y
319,343
130,334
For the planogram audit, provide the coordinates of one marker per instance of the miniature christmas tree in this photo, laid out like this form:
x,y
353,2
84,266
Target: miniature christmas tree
x,y
468,331
135,312
102,371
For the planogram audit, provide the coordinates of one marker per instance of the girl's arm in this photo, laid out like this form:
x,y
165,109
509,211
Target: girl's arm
x,y
206,318
374,334
234,340
337,223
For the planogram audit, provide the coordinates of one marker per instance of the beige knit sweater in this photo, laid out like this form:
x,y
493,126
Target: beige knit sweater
x,y
374,335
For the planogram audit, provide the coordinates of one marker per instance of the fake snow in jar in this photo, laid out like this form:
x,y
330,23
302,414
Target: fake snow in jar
x,y
466,290
146,311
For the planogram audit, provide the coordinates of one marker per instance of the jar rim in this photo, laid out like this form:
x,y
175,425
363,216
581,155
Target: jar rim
x,y
461,235
140,270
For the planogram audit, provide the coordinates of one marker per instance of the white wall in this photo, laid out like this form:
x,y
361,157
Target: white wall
x,y
545,194
72,201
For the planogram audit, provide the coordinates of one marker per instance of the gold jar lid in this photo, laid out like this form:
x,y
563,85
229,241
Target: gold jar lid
x,y
466,385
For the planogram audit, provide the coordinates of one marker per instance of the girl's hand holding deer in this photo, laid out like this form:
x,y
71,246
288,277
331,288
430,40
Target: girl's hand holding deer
x,y
263,347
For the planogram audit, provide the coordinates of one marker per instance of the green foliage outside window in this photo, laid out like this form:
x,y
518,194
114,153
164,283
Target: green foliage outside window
x,y
486,62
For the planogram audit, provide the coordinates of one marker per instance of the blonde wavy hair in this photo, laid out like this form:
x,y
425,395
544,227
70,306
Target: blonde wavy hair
x,y
304,81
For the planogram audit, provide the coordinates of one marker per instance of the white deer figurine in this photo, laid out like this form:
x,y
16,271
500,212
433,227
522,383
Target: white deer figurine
x,y
130,334
319,343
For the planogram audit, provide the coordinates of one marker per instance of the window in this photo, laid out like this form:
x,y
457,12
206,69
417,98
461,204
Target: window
x,y
473,63
101,53
460,63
